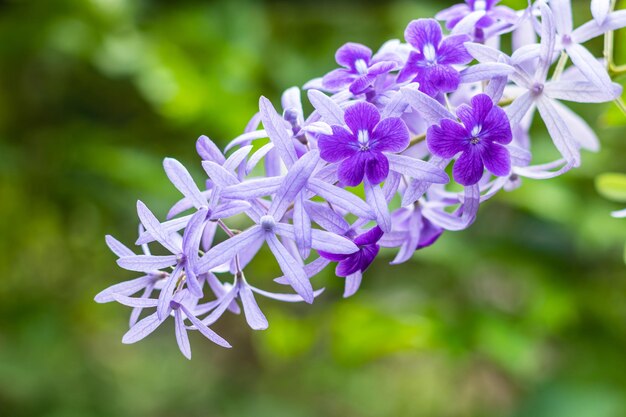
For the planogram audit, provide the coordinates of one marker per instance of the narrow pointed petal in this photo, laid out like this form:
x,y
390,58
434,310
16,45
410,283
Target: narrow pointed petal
x,y
326,217
288,298
135,301
181,334
193,233
227,250
278,131
169,227
202,328
167,292
258,156
486,71
518,109
218,174
191,246
411,240
429,108
455,222
293,271
253,188
395,107
208,151
244,139
134,315
118,247
226,302
291,99
302,226
353,282
340,198
254,316
591,29
562,10
589,66
327,108
123,288
311,269
180,177
418,169
585,136
229,209
319,128
234,161
142,329
376,199
483,53
146,263
581,92
294,182
321,240
468,23
154,227
559,131
548,38
600,10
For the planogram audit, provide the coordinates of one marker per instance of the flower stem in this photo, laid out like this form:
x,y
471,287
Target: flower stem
x,y
560,66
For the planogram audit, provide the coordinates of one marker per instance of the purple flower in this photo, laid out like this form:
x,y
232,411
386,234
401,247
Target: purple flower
x,y
360,260
180,306
360,69
477,15
431,63
483,129
360,147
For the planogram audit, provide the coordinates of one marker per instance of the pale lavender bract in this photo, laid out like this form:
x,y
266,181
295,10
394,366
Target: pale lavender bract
x,y
393,122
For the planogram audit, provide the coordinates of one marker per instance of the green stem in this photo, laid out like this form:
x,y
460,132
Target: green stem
x,y
560,66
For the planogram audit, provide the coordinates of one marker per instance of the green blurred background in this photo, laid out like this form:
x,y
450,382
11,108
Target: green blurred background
x,y
523,315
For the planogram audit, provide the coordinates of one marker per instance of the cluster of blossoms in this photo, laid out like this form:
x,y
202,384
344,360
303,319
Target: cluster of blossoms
x,y
368,167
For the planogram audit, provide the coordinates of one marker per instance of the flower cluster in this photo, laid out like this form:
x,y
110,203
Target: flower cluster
x,y
368,167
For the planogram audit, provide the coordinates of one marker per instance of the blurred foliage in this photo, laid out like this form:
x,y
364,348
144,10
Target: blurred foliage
x,y
523,315
612,186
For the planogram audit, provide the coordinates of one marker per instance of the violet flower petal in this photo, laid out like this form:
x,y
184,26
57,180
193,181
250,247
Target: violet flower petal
x,y
293,271
254,316
142,329
117,247
278,131
180,177
146,263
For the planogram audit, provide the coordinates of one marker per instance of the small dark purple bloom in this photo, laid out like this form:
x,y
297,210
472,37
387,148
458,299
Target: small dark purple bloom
x,y
360,147
484,128
431,63
360,69
358,261
430,233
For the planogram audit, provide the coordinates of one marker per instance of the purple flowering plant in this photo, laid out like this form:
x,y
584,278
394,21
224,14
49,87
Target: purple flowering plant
x,y
392,124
